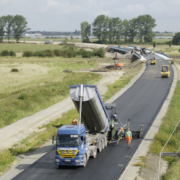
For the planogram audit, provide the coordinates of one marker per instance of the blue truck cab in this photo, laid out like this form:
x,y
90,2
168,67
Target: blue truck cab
x,y
71,146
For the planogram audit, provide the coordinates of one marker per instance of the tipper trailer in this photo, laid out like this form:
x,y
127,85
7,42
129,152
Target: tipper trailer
x,y
96,127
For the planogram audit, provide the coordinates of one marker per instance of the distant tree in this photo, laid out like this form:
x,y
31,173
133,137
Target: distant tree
x,y
100,27
145,25
176,39
110,27
132,29
170,43
19,26
2,28
125,29
85,31
71,38
116,28
9,22
154,44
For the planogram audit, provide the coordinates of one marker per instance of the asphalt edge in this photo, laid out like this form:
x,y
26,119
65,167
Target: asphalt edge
x,y
144,146
132,82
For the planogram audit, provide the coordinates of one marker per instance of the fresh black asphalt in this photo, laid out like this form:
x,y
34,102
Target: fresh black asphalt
x,y
141,103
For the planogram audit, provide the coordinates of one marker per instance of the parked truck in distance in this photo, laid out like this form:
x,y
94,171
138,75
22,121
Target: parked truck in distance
x,y
96,128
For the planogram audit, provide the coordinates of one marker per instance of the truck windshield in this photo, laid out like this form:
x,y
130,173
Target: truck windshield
x,y
67,140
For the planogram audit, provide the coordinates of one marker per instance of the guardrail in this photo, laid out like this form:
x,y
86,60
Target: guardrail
x,y
122,49
137,54
163,54
149,49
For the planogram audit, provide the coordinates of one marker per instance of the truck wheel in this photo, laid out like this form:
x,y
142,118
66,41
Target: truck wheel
x,y
85,161
94,153
103,144
100,146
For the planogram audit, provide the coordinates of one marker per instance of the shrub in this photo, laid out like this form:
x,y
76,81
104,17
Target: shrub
x,y
70,53
154,44
170,43
14,70
48,53
172,62
5,53
23,96
179,50
12,53
100,52
176,39
84,53
38,53
27,53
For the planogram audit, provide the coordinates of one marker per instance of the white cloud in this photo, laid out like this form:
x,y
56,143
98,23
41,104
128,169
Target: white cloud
x,y
76,11
4,1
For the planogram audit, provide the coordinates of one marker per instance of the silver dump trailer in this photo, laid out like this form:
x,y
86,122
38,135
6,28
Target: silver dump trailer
x,y
94,114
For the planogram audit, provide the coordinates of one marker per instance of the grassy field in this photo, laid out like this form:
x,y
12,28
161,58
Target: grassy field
x,y
38,85
21,47
159,40
166,128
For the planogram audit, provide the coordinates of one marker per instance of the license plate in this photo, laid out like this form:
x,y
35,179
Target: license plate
x,y
67,160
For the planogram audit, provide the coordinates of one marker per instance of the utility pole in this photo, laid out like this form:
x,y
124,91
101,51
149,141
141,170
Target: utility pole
x,y
171,154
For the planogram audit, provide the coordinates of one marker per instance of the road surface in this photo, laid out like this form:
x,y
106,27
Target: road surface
x,y
141,103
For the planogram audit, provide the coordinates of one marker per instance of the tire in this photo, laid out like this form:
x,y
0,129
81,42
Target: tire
x,y
100,147
85,161
103,144
94,153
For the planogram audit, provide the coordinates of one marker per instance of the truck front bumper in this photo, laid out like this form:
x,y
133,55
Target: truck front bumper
x,y
77,161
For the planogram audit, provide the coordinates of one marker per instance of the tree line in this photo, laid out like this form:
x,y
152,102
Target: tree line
x,y
12,25
115,29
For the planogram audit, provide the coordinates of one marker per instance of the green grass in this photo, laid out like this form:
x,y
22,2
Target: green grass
x,y
160,40
21,47
26,102
166,128
117,86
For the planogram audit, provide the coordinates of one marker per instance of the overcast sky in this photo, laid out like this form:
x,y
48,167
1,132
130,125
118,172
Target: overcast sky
x,y
66,15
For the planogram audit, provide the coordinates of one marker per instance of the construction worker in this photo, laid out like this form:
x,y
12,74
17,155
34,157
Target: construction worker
x,y
115,116
74,121
128,135
122,130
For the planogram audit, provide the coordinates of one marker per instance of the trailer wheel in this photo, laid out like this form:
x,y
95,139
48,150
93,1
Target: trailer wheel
x,y
100,146
103,144
85,161
94,153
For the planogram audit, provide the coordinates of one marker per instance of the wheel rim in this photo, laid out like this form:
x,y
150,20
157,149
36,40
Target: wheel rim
x,y
85,161
95,153
103,145
100,147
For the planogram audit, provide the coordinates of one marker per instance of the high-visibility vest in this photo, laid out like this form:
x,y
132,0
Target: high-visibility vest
x,y
122,129
74,122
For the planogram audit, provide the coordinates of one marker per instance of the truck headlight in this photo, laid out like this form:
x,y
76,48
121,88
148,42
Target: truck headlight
x,y
77,160
57,160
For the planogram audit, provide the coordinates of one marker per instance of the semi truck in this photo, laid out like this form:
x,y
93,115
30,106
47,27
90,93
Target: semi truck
x,y
95,129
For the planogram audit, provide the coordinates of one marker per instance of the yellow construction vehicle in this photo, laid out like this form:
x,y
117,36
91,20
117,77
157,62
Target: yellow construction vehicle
x,y
165,72
153,60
